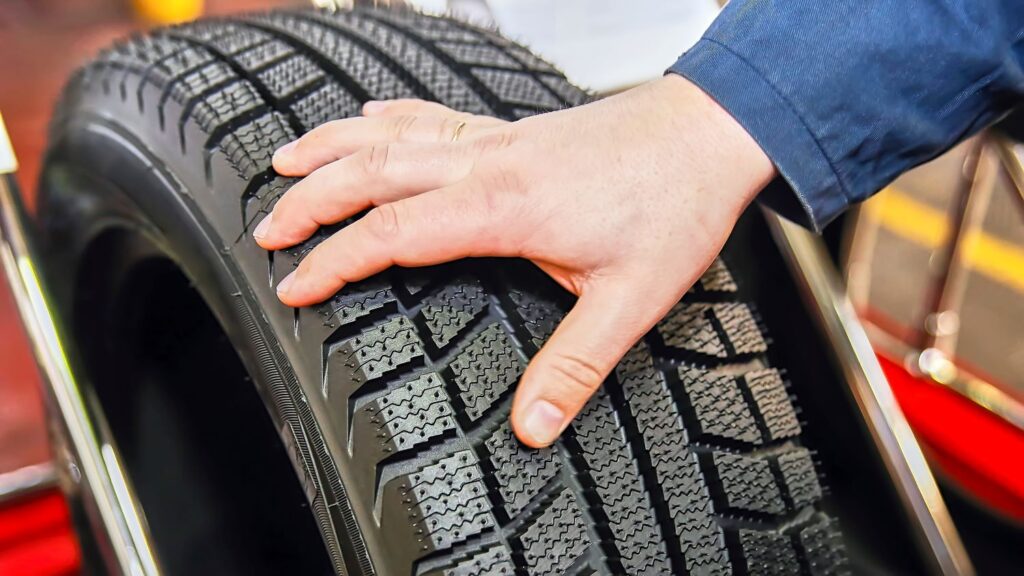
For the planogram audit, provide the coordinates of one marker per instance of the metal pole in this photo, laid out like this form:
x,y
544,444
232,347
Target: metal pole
x,y
835,315
93,468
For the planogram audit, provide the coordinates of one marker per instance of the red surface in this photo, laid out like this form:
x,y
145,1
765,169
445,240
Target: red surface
x,y
36,538
979,450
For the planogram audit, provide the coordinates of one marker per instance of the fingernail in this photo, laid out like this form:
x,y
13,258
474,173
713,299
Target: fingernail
x,y
286,284
373,107
263,227
543,422
285,149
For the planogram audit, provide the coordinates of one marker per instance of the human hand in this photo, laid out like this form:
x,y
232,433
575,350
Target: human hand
x,y
624,202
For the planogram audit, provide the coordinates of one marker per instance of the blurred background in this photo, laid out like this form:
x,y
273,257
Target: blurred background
x,y
41,43
934,264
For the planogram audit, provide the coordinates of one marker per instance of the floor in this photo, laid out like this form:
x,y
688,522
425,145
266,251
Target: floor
x,y
913,213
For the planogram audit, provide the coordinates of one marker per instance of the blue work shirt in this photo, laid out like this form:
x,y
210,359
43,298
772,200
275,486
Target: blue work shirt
x,y
845,95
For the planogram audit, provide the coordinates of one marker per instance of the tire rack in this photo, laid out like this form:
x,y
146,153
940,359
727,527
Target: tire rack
x,y
87,466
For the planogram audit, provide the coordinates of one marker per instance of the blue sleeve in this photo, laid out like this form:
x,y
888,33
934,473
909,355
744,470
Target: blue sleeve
x,y
845,95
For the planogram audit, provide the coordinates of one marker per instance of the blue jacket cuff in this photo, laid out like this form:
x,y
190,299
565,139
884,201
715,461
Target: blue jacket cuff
x,y
777,127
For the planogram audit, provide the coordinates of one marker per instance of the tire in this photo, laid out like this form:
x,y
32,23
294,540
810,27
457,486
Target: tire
x,y
393,396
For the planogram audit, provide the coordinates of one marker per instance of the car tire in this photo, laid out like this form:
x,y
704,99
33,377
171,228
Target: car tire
x,y
392,397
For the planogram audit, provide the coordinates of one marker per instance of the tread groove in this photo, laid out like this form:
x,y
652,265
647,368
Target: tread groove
x,y
420,90
648,475
332,69
250,76
493,101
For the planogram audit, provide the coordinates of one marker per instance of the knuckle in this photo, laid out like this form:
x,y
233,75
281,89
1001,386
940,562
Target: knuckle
x,y
383,221
499,185
576,371
493,141
375,159
400,126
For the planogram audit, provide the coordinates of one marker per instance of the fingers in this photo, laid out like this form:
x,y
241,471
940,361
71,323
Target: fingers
x,y
416,107
606,321
411,107
371,177
394,121
431,228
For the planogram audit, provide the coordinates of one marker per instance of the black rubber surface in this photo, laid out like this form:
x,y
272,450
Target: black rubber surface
x,y
393,395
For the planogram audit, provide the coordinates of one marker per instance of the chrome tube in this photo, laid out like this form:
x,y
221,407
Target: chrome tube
x,y
900,452
91,468
26,481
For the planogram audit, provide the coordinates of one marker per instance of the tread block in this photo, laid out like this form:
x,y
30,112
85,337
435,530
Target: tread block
x,y
516,87
316,30
225,37
485,369
737,322
437,29
556,538
356,301
249,149
540,316
420,63
376,351
290,76
797,468
264,54
326,103
206,77
618,484
823,548
441,504
687,326
141,50
773,403
529,59
717,278
414,280
410,415
493,560
259,203
570,95
477,53
748,483
520,113
721,329
769,553
521,473
170,66
678,471
719,405
450,311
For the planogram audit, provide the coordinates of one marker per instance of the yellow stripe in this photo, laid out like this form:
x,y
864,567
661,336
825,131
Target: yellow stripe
x,y
918,222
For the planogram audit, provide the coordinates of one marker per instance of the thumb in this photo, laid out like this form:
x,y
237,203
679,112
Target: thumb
x,y
605,322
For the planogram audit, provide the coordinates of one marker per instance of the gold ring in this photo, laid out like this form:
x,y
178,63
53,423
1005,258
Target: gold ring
x,y
458,131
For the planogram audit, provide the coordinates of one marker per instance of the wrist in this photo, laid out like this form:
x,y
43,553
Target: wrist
x,y
716,141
